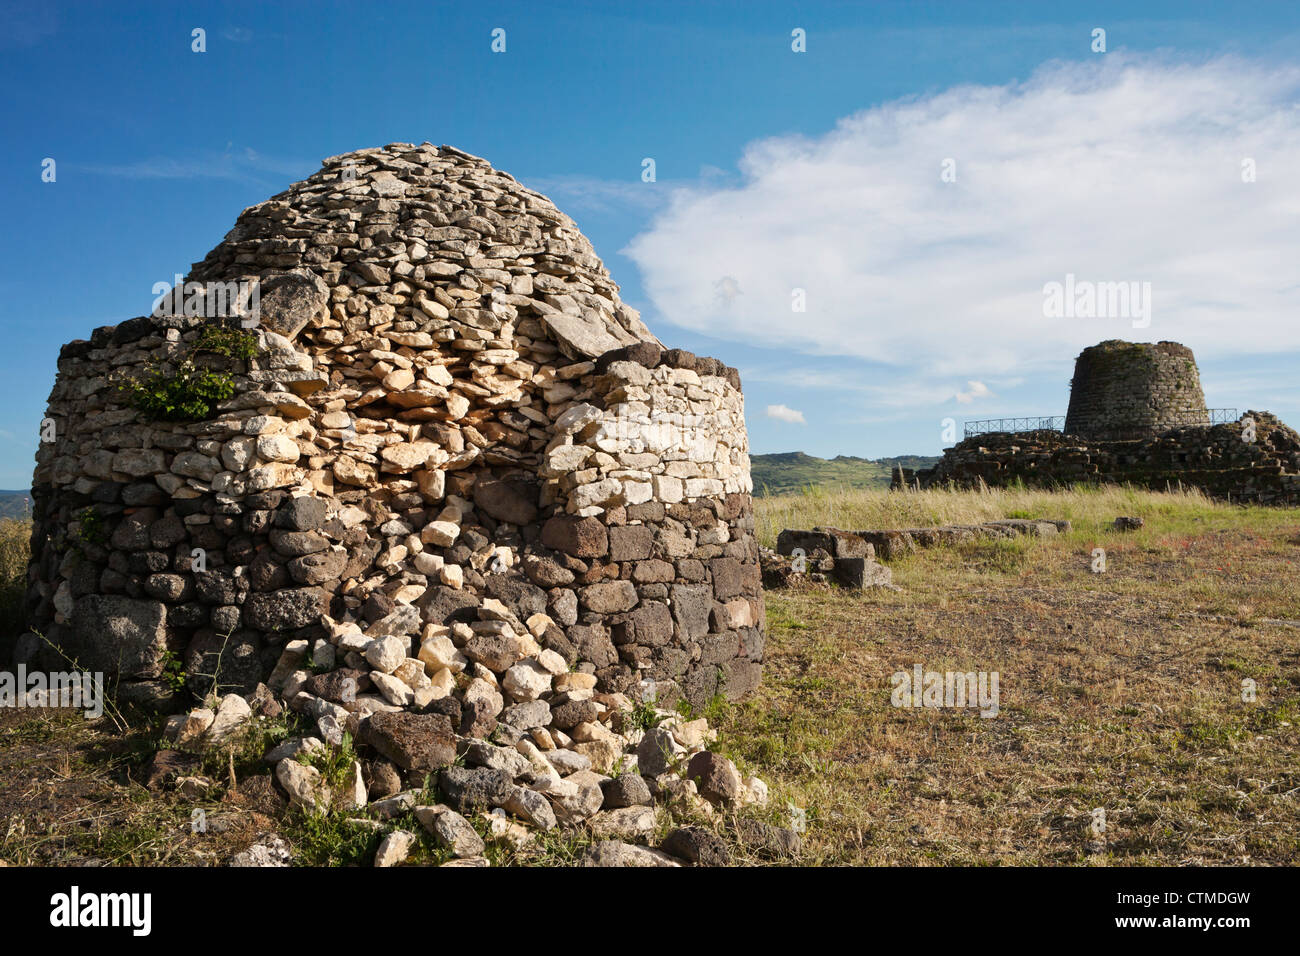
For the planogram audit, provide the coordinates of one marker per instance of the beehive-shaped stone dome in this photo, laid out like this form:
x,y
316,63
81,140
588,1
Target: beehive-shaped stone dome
x,y
1131,390
449,427
436,220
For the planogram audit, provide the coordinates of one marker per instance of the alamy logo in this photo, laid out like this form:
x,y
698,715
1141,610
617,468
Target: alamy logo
x,y
1085,299
659,432
922,688
210,300
74,908
70,689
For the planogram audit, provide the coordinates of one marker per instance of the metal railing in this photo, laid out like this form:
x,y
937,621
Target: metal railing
x,y
1222,416
1044,423
1056,423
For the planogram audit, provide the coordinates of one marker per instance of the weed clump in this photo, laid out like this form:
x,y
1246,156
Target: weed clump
x,y
189,389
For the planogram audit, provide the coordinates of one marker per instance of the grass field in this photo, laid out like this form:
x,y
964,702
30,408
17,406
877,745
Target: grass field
x,y
1119,691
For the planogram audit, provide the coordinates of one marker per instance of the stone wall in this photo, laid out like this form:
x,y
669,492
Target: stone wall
x,y
1215,459
1128,390
449,407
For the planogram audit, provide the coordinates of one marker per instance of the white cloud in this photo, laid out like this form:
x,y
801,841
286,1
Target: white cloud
x,y
899,393
785,414
973,391
1113,169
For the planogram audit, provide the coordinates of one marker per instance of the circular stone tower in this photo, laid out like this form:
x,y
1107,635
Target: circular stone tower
x,y
1129,390
439,423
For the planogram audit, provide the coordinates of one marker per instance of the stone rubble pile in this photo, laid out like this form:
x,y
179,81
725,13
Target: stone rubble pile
x,y
503,728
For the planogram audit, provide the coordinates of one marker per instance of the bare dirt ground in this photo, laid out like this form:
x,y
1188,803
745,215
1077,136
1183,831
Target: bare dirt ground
x,y
72,794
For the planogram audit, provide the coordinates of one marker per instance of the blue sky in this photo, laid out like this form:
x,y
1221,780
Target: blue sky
x,y
776,171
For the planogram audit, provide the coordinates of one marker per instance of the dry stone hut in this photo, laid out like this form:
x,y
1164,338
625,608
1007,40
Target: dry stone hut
x,y
441,414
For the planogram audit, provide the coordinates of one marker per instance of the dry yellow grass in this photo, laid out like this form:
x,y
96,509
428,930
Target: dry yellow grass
x,y
15,541
1090,508
1121,691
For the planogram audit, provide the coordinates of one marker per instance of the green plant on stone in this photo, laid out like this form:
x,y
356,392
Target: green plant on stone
x,y
427,792
334,763
186,390
331,839
187,394
173,672
227,341
644,715
718,707
715,711
90,527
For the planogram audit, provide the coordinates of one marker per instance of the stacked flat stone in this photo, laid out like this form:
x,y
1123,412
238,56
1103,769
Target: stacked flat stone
x,y
1216,459
449,404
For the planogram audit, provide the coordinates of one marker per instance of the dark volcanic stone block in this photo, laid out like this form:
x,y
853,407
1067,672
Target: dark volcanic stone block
x,y
412,741
691,604
474,788
630,543
304,513
580,537
285,609
728,579
860,573
512,500
593,644
119,636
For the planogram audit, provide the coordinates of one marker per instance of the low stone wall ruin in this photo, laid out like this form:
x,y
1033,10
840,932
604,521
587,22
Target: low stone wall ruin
x,y
1216,459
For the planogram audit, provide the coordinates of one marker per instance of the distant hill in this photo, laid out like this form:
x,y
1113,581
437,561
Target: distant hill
x,y
15,504
793,471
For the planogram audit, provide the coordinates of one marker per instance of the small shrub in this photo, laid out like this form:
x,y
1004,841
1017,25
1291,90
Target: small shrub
x,y
334,763
330,839
174,675
227,341
644,716
189,391
187,394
